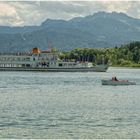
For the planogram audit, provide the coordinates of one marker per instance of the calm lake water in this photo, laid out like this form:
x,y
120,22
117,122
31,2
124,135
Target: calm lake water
x,y
69,105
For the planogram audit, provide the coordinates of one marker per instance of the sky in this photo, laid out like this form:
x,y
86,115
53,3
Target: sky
x,y
26,13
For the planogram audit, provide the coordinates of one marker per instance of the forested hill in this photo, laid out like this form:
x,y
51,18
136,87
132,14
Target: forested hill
x,y
126,55
94,31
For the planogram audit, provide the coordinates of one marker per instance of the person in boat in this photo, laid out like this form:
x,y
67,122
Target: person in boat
x,y
114,79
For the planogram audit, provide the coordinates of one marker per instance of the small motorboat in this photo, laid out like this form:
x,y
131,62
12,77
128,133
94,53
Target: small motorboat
x,y
115,82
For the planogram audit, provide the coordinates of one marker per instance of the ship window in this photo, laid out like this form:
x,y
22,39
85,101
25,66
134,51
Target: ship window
x,y
23,65
18,59
22,59
60,64
27,59
27,65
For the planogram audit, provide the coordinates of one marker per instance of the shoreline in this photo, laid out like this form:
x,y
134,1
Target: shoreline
x,y
131,67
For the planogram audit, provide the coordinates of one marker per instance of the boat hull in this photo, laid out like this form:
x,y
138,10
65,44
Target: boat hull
x,y
116,83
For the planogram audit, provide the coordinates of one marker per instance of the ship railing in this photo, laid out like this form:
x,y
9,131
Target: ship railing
x,y
17,54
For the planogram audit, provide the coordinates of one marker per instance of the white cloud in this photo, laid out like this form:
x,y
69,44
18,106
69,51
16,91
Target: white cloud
x,y
9,15
19,13
7,10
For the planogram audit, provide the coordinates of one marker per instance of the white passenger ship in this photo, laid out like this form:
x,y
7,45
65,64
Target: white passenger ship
x,y
44,61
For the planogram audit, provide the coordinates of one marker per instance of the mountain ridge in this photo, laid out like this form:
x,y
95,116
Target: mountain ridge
x,y
101,29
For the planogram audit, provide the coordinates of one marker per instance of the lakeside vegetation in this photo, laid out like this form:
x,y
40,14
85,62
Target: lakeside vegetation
x,y
127,55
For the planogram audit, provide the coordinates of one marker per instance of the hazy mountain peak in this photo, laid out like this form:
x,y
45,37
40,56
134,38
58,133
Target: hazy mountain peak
x,y
110,15
52,21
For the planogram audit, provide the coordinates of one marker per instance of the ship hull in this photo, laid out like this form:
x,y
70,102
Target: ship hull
x,y
93,69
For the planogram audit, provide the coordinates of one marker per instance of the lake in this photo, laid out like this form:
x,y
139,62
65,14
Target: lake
x,y
69,105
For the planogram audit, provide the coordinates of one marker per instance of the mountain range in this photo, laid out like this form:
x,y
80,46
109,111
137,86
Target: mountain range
x,y
99,30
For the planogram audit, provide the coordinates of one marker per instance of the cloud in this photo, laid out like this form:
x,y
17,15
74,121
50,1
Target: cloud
x,y
9,15
19,13
133,9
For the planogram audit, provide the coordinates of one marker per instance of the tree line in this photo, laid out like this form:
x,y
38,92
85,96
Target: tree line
x,y
126,55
